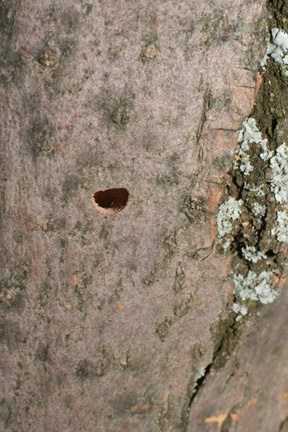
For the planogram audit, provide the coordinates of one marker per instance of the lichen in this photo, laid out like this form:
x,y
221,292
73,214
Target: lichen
x,y
246,220
258,190
246,166
229,211
251,254
277,48
259,209
266,153
240,310
199,374
281,231
248,135
255,287
279,181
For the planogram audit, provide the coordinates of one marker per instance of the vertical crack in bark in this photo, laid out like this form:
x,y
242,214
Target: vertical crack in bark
x,y
203,118
227,334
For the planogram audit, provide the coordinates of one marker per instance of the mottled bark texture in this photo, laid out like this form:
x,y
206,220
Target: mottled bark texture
x,y
108,321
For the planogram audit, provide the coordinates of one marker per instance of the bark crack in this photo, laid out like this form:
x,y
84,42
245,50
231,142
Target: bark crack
x,y
227,334
205,108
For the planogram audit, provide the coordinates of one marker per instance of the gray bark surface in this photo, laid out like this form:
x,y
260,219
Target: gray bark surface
x,y
108,321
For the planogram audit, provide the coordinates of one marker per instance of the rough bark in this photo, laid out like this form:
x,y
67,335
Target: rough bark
x,y
115,322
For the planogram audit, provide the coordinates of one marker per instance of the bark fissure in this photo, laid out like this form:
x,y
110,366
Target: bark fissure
x,y
227,334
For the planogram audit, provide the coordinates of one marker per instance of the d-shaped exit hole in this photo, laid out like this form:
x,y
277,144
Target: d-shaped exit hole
x,y
110,201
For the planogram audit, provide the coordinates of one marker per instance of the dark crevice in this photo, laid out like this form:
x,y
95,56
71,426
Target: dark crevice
x,y
284,425
274,124
227,332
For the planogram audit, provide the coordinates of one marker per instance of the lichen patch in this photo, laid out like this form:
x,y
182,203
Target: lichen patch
x,y
252,222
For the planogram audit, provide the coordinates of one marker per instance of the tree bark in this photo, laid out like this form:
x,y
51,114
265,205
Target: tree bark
x,y
110,321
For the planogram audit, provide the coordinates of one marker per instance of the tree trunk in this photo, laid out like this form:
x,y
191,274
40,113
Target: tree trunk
x,y
115,307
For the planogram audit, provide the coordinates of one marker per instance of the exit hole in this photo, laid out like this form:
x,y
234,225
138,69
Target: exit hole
x,y
110,201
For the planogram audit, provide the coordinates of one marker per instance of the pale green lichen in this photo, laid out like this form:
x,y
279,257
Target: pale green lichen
x,y
281,231
266,153
240,310
246,166
199,374
258,190
248,135
259,210
251,254
260,183
277,48
255,287
279,181
228,212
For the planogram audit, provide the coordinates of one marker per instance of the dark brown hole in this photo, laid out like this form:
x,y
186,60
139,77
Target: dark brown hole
x,y
110,201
